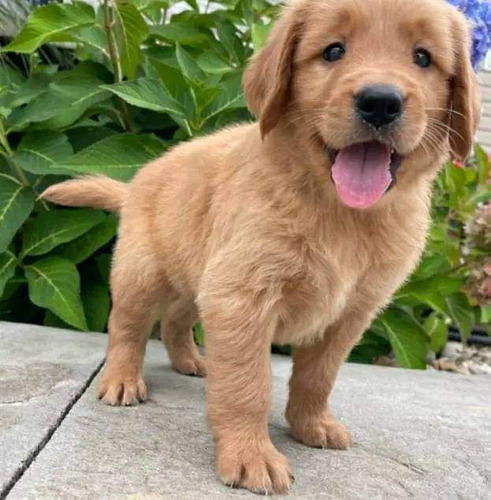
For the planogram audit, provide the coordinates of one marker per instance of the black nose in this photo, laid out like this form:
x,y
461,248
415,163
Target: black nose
x,y
379,105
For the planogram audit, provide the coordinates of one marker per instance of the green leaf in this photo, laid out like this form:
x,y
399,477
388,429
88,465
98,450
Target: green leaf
x,y
8,263
50,23
54,284
461,313
118,156
199,335
188,65
39,151
437,331
82,137
486,315
16,203
233,45
83,247
260,34
50,229
94,36
430,266
65,101
147,93
212,63
369,348
181,32
26,91
103,263
54,321
483,167
96,302
231,96
406,337
131,31
435,284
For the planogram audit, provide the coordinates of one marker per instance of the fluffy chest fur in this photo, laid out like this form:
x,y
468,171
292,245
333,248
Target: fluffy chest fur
x,y
363,260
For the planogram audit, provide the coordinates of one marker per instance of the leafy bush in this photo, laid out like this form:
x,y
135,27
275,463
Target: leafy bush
x,y
105,90
442,291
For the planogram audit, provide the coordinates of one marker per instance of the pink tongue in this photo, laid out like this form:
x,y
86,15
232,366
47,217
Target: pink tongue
x,y
361,173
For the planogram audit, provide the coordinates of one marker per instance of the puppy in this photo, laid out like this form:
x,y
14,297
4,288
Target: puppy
x,y
294,230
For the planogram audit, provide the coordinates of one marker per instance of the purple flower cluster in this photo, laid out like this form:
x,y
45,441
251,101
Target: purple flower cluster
x,y
479,12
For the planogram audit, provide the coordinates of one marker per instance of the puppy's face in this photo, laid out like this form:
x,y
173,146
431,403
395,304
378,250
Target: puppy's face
x,y
375,83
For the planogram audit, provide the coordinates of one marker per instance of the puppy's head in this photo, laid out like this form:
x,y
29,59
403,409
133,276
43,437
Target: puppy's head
x,y
375,83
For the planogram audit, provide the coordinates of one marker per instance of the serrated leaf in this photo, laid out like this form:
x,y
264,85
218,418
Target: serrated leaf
x,y
50,229
461,313
65,100
406,337
147,93
131,31
83,247
230,96
94,36
54,284
49,23
118,156
429,266
188,65
437,331
82,137
8,263
16,204
26,91
39,151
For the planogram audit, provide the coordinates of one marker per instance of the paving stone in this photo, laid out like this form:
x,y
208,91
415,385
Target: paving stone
x,y
417,435
42,371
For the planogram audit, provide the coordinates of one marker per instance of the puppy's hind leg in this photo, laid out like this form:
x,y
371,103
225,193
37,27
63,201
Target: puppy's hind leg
x,y
135,284
177,319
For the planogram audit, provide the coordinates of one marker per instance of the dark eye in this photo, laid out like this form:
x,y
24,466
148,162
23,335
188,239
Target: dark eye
x,y
334,52
422,58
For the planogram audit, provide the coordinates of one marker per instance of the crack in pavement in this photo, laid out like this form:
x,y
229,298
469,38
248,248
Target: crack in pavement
x,y
49,434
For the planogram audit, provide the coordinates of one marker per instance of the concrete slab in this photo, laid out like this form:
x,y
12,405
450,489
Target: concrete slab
x,y
42,372
417,435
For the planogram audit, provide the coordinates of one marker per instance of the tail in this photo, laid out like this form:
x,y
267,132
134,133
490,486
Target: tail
x,y
94,191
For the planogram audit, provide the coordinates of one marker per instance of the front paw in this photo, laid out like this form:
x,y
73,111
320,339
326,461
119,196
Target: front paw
x,y
321,432
120,389
258,467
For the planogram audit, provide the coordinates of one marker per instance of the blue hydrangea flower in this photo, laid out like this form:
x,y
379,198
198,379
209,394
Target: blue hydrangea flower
x,y
479,12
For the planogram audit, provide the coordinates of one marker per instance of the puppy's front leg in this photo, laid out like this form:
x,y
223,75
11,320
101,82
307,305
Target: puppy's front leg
x,y
239,332
314,373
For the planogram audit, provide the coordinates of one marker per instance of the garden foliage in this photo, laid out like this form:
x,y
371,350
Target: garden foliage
x,y
106,90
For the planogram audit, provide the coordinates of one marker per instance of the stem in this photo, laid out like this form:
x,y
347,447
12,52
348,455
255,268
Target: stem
x,y
115,60
16,167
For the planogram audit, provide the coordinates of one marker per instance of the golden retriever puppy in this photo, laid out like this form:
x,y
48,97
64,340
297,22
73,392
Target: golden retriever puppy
x,y
294,230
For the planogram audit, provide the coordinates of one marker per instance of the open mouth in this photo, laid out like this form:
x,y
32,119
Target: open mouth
x,y
364,172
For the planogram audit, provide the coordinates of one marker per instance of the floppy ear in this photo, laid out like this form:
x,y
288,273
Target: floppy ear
x,y
465,103
267,77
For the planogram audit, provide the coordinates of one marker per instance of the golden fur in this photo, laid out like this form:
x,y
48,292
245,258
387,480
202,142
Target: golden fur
x,y
243,229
